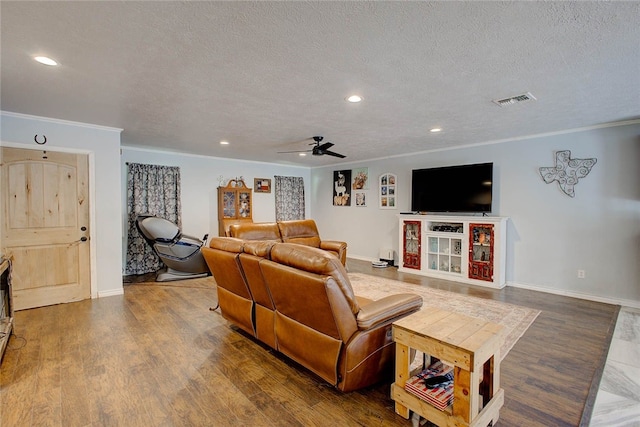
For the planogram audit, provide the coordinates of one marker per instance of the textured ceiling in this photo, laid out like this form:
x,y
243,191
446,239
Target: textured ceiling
x,y
266,76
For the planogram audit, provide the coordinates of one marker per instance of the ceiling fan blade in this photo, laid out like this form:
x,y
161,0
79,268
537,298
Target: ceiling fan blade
x,y
319,149
331,153
324,146
296,151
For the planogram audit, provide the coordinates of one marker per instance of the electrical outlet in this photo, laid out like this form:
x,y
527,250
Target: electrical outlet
x,y
581,274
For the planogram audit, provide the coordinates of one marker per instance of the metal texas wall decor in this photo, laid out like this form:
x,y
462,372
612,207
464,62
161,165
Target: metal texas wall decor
x,y
567,171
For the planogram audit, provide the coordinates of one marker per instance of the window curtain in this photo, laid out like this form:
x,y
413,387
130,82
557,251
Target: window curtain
x,y
289,197
153,190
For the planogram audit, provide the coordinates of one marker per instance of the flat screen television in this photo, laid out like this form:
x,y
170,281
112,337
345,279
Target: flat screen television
x,y
463,188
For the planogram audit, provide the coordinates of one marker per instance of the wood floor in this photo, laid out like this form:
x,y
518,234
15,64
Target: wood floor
x,y
157,356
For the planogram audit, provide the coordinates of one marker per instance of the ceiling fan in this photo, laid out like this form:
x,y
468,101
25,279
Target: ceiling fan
x,y
319,149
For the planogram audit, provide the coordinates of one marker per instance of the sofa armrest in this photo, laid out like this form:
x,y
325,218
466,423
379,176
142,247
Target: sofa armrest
x,y
387,308
339,248
333,245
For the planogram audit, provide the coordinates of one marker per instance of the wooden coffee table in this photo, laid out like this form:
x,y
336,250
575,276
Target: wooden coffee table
x,y
471,346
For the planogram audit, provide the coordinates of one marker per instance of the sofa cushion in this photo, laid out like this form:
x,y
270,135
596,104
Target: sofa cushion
x,y
303,232
226,244
259,248
256,231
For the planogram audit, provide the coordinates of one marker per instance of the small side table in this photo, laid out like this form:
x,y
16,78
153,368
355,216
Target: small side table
x,y
472,346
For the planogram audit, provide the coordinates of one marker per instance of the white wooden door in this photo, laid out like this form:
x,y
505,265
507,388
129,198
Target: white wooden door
x,y
45,226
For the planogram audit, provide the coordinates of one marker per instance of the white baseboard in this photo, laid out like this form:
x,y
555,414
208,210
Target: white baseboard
x,y
362,258
111,292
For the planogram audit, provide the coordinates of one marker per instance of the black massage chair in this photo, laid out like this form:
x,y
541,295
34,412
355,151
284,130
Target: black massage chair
x,y
180,253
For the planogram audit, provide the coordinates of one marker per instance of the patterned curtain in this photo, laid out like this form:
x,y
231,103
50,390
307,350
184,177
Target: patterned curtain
x,y
289,196
153,190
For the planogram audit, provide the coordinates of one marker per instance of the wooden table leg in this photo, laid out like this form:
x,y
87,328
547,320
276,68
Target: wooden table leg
x,y
402,374
465,400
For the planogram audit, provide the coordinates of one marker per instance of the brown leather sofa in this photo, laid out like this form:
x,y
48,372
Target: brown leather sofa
x,y
303,232
298,300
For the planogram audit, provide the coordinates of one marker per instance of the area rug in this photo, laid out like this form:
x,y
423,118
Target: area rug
x,y
515,319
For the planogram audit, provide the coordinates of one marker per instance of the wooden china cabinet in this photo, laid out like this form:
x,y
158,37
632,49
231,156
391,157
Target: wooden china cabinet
x,y
234,205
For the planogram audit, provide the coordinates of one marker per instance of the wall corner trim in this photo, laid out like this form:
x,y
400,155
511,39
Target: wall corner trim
x,y
111,292
60,121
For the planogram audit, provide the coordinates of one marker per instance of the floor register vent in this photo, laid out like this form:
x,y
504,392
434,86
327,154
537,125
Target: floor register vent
x,y
515,99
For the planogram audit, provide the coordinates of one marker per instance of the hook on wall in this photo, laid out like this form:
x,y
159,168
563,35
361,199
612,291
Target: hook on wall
x,y
35,138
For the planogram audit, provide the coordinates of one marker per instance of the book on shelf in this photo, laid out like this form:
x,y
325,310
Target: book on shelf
x,y
440,396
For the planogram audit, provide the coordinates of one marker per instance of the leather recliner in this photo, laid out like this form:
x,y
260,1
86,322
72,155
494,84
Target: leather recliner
x,y
234,296
303,232
303,305
264,310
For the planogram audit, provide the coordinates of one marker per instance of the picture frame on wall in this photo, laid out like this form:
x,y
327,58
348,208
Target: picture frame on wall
x,y
262,185
361,198
360,179
342,188
387,191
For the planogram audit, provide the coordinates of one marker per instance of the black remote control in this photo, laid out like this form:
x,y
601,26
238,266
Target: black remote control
x,y
437,381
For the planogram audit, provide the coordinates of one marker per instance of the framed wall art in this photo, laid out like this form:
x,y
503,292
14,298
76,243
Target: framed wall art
x,y
262,185
387,191
361,198
360,179
342,188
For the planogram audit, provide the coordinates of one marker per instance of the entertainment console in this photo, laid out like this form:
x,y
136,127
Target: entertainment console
x,y
469,249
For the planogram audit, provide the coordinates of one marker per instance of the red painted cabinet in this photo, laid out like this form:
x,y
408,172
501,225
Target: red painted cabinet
x,y
481,251
411,244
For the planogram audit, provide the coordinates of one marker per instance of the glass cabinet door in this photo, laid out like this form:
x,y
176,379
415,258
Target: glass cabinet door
x,y
481,251
244,204
229,204
411,244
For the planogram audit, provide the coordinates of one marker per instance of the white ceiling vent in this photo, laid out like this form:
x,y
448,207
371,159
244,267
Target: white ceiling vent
x,y
515,99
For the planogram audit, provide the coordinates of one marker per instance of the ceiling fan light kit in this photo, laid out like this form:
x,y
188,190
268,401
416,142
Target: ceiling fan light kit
x,y
45,60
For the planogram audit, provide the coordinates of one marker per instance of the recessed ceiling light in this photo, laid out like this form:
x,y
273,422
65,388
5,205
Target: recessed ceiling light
x,y
354,98
44,60
302,154
435,130
224,142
